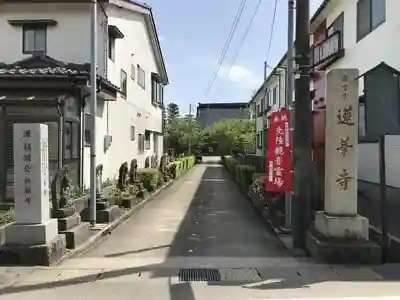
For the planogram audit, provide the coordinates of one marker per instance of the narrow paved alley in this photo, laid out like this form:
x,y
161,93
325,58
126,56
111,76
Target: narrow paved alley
x,y
202,221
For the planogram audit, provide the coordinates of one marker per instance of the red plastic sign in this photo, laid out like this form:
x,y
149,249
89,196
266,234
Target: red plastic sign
x,y
279,153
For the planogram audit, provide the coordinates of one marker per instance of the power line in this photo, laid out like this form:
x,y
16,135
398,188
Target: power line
x,y
272,31
226,46
242,40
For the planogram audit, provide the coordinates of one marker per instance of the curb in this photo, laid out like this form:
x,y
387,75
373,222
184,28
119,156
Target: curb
x,y
96,238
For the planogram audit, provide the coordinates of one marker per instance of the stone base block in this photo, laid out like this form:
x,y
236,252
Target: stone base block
x,y
76,235
37,255
102,216
32,234
129,202
341,250
69,222
349,227
103,204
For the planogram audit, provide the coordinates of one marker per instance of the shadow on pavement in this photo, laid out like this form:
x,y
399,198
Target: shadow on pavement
x,y
221,226
136,251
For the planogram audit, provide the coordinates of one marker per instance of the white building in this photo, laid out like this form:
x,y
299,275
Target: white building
x,y
361,34
44,77
270,96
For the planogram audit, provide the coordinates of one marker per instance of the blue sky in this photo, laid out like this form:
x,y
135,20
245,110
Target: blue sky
x,y
192,35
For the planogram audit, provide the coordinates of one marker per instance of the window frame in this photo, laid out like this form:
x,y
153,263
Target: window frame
x,y
133,72
87,131
339,20
123,83
133,133
34,28
371,26
111,47
141,143
141,72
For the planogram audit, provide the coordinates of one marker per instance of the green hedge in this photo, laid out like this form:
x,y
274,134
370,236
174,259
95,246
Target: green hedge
x,y
151,178
242,174
180,166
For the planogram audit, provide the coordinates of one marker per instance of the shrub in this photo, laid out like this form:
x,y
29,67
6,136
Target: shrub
x,y
244,175
150,178
230,164
179,166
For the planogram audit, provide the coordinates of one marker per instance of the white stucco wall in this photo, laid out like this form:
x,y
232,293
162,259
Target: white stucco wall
x,y
272,82
134,110
379,45
68,40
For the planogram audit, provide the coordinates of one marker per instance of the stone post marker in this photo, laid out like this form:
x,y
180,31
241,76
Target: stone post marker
x,y
340,234
33,235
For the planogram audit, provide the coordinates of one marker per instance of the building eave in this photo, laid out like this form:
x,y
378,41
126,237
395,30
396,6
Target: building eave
x,y
146,11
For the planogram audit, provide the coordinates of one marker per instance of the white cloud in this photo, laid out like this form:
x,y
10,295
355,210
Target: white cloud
x,y
240,75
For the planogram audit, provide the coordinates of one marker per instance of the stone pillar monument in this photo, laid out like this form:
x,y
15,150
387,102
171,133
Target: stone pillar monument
x,y
33,238
341,235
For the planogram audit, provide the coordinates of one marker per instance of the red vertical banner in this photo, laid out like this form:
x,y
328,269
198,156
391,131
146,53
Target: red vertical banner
x,y
279,153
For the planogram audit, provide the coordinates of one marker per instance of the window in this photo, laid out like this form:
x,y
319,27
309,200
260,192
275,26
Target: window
x,y
361,121
34,38
71,140
132,133
274,96
370,14
141,77
269,96
147,139
111,47
157,92
140,143
337,26
133,72
123,83
88,125
258,110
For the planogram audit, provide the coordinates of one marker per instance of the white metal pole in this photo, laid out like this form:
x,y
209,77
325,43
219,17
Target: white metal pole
x,y
93,86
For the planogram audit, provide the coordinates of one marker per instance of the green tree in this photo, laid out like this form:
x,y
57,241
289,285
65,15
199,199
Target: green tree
x,y
230,135
172,112
184,134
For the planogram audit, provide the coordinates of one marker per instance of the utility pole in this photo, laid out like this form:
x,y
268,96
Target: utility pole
x,y
93,87
303,127
190,123
289,95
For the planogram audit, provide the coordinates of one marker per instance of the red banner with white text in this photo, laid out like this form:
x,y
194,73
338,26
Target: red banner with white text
x,y
279,153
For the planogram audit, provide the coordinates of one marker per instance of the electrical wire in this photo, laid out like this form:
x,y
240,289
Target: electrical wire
x,y
242,41
226,46
272,31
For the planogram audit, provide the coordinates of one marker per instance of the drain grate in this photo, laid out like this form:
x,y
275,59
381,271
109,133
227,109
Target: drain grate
x,y
199,275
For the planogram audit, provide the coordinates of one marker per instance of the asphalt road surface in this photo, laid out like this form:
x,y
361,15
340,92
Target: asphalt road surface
x,y
201,222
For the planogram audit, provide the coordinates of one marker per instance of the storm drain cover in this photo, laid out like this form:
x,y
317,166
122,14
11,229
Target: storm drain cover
x,y
199,275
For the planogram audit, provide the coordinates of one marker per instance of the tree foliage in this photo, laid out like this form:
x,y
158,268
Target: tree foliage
x,y
183,134
230,135
172,112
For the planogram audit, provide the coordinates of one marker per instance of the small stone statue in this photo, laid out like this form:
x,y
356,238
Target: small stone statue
x,y
99,183
147,162
62,205
133,172
122,178
163,163
154,161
